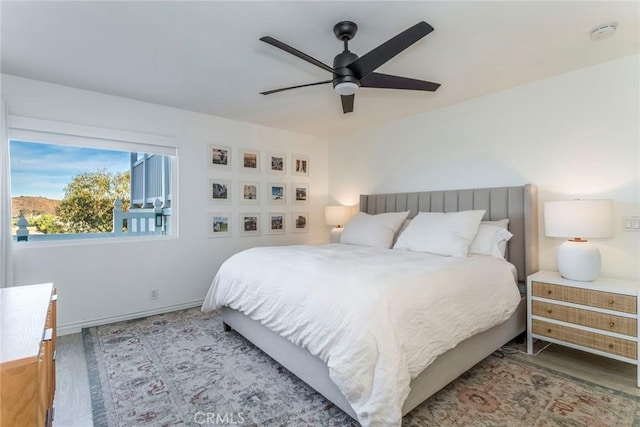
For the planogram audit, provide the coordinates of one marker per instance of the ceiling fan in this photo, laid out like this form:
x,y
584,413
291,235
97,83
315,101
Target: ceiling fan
x,y
351,72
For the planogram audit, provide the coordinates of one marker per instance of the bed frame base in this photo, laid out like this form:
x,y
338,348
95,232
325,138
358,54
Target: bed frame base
x,y
315,372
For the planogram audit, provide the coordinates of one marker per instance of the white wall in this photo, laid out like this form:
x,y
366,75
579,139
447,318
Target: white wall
x,y
106,281
574,135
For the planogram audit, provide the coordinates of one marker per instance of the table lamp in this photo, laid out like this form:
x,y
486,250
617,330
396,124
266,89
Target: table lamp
x,y
578,259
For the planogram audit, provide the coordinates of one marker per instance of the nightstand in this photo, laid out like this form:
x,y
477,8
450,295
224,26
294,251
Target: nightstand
x,y
599,317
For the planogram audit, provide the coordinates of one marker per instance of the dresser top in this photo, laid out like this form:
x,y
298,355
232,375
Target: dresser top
x,y
607,284
23,313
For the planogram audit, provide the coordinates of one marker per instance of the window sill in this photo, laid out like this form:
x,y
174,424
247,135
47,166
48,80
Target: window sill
x,y
43,241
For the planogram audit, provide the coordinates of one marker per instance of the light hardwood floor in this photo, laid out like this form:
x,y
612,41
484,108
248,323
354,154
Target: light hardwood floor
x,y
590,367
73,399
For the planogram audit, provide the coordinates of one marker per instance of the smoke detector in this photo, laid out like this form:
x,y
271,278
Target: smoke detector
x,y
603,31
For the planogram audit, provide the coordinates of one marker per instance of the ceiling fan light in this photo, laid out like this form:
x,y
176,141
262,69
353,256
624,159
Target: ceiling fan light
x,y
346,88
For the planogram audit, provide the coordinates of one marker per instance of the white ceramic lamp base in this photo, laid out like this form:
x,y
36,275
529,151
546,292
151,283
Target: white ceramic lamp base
x,y
335,234
579,260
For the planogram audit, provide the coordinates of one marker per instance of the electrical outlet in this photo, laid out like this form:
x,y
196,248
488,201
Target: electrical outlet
x,y
631,223
155,293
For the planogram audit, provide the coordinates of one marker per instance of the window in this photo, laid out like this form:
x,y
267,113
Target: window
x,y
77,184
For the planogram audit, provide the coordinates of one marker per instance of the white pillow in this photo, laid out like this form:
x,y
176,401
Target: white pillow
x,y
491,239
403,227
373,230
441,233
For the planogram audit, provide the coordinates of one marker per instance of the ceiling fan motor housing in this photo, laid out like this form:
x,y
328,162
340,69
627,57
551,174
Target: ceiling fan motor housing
x,y
346,74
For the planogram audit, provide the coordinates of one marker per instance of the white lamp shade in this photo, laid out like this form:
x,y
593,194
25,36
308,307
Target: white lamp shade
x,y
579,218
337,215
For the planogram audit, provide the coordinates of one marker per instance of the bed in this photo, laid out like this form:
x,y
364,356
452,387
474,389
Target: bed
x,y
519,204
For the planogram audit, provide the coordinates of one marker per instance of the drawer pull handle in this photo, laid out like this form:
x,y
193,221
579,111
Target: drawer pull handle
x,y
549,292
548,331
549,311
612,324
611,301
610,345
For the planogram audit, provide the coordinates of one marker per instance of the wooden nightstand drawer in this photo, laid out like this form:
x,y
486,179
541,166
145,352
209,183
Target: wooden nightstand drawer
x,y
608,300
618,346
592,319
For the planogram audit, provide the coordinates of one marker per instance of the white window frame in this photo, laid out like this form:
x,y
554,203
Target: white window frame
x,y
47,131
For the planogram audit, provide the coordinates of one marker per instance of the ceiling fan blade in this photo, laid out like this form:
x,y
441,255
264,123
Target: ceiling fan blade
x,y
269,92
387,81
296,52
347,103
369,62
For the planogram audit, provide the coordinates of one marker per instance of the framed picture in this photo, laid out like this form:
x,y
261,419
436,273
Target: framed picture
x,y
249,161
277,193
250,192
249,224
300,194
219,190
300,222
277,223
219,224
219,157
277,163
300,165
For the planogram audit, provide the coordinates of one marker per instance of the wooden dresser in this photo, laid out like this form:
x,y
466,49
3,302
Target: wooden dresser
x,y
27,355
599,317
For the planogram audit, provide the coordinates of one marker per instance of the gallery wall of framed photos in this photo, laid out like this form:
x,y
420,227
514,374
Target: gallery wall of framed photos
x,y
255,193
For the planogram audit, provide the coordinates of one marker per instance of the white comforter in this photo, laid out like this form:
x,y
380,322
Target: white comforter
x,y
376,317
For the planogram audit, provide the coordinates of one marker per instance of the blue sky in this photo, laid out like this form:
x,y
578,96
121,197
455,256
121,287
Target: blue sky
x,y
45,169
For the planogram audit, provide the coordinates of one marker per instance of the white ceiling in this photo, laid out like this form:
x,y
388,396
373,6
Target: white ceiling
x,y
206,56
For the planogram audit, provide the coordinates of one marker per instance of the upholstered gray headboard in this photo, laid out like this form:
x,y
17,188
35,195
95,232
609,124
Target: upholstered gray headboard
x,y
519,204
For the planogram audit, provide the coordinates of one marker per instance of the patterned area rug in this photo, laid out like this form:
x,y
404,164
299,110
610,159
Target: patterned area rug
x,y
181,369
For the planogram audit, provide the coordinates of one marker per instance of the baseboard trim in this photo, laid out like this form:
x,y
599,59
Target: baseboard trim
x,y
76,327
